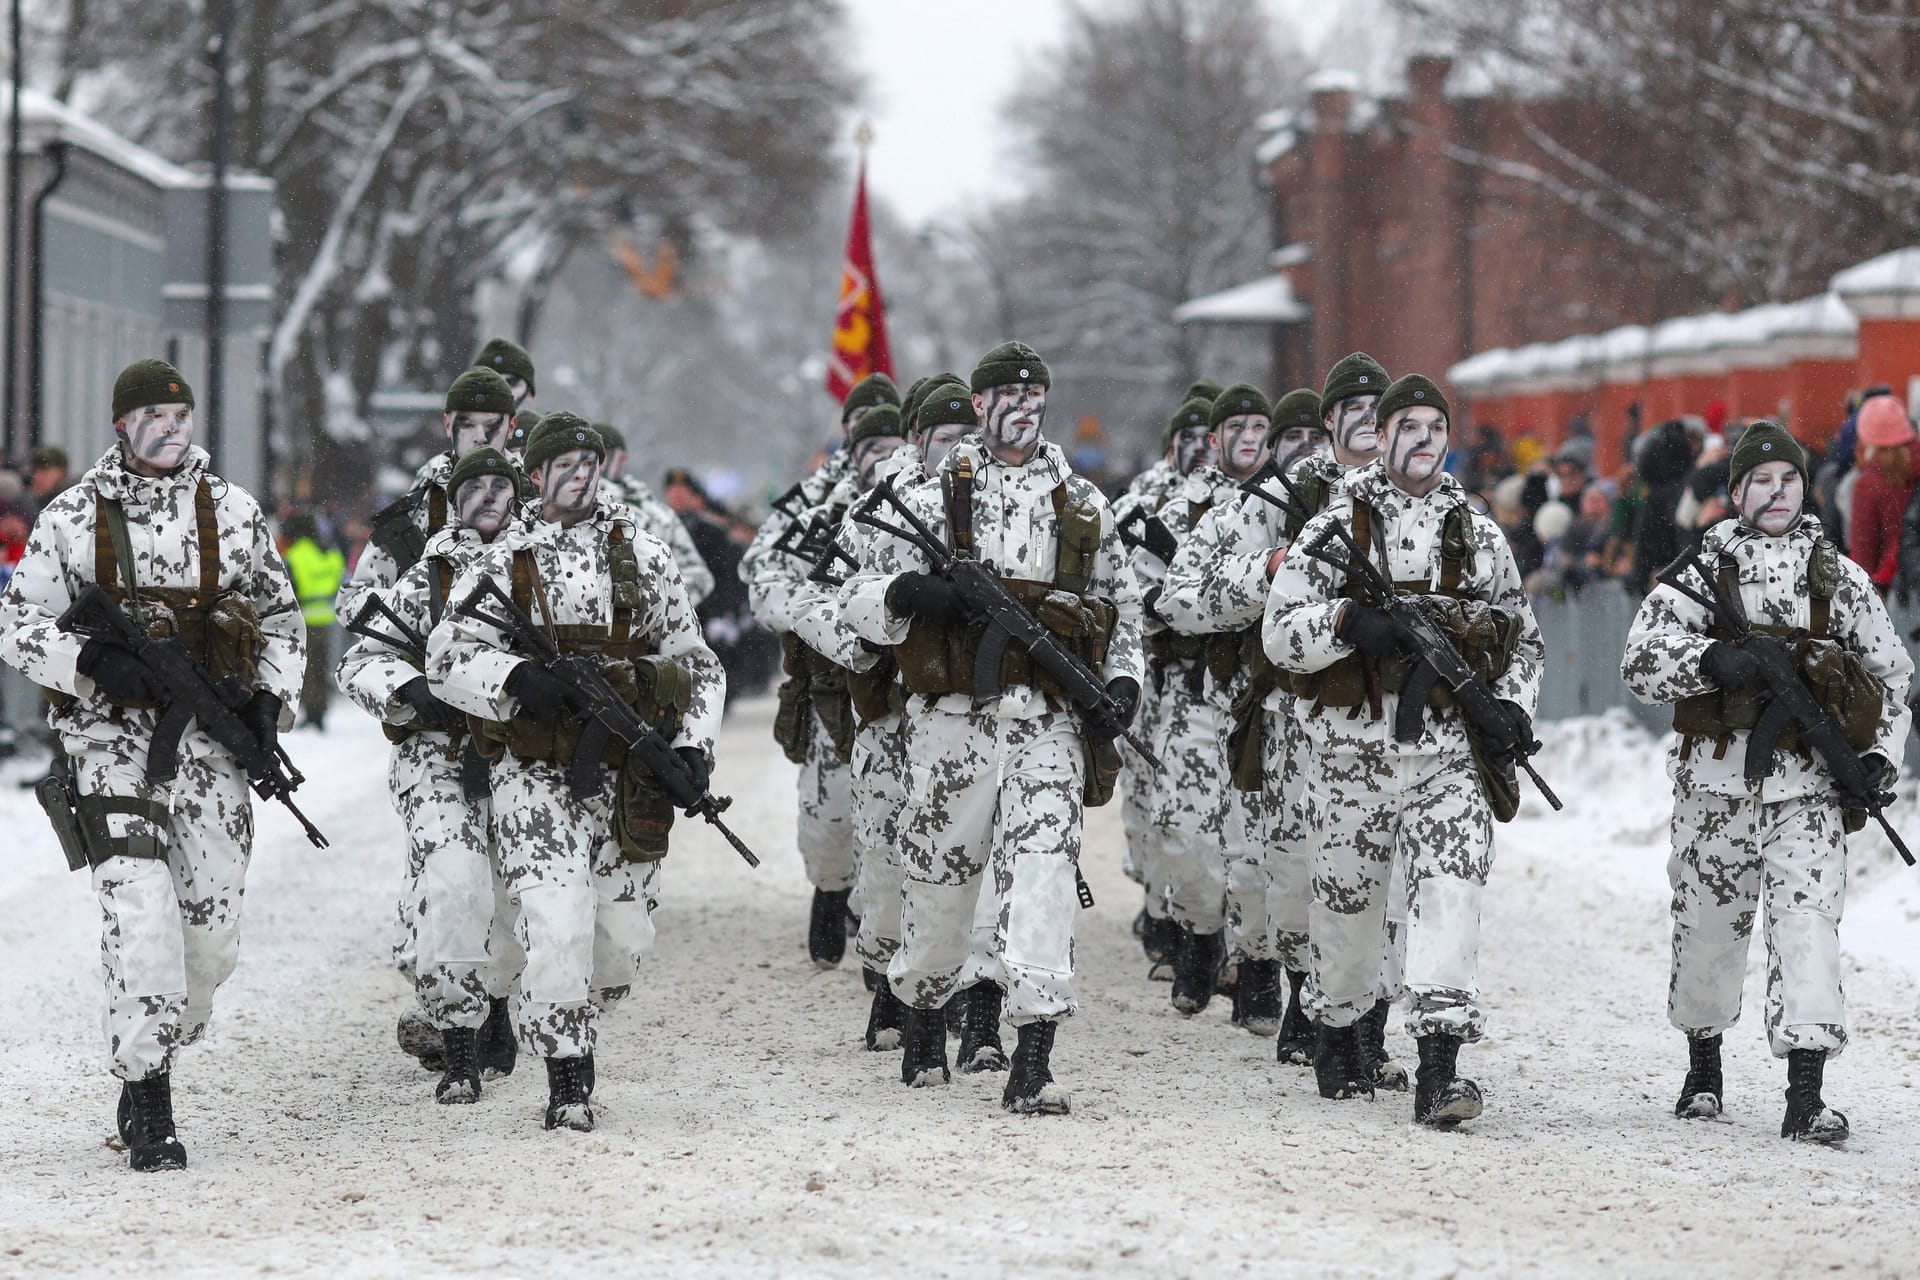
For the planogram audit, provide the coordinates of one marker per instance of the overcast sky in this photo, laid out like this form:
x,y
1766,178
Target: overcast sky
x,y
937,73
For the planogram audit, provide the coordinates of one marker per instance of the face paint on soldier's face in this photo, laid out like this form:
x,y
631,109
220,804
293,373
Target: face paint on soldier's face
x,y
1242,441
472,431
1356,430
521,392
616,463
1010,417
1192,449
1296,444
870,453
485,504
1417,449
155,438
569,484
937,443
1771,497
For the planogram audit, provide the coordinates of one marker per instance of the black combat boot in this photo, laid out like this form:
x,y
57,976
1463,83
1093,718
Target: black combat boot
x,y
827,928
980,1048
1256,1000
1030,1088
883,1016
148,1128
923,1048
872,979
1161,942
499,1048
420,1039
1442,1098
1139,926
957,1011
1376,1064
567,1095
1295,1044
1335,1068
1809,1118
1196,969
1701,1093
461,1083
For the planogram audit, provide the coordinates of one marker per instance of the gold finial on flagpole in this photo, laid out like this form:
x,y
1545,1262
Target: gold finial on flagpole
x,y
863,137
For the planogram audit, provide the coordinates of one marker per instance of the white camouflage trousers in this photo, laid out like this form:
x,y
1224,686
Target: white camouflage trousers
x,y
1285,870
879,776
1368,811
456,918
170,929
583,916
1733,855
825,833
1135,789
1189,805
1000,795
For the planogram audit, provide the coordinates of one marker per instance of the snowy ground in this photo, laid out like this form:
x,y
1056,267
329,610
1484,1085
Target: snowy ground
x,y
743,1132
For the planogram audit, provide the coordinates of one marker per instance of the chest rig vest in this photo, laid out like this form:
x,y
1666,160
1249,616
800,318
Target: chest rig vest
x,y
403,527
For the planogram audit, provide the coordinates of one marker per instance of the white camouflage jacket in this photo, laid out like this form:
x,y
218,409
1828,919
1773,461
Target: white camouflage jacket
x,y
1016,534
1305,600
468,661
1669,638
653,514
162,533
371,672
1195,498
760,560
376,570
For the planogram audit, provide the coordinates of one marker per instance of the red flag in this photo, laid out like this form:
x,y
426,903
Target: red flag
x,y
860,319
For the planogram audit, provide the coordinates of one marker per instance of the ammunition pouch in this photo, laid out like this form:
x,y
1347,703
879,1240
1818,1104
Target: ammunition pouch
x,y
817,685
1103,763
1837,678
875,692
937,658
652,685
1500,784
1485,636
1247,731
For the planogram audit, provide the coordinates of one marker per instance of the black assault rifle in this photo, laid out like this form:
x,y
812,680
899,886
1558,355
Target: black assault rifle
x,y
1790,702
1007,620
475,781
608,715
190,694
1152,536
1435,658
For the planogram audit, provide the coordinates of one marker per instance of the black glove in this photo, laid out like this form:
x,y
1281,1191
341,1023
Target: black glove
x,y
925,595
1366,628
543,695
696,761
1124,693
262,715
1729,667
429,712
1877,774
116,673
1508,742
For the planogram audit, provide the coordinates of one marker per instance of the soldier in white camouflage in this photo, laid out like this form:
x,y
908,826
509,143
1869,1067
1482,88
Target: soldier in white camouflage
x,y
189,555
575,843
465,957
1186,442
1372,797
652,513
1197,816
814,724
1775,846
998,786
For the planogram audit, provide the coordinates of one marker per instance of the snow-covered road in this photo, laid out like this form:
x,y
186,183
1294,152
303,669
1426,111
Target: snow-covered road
x,y
743,1132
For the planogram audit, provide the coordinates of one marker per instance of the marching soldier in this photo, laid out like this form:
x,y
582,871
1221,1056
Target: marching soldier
x,y
815,723
464,955
574,861
188,555
999,783
513,363
1373,797
1778,842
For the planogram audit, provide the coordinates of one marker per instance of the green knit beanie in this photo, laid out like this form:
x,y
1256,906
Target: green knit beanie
x,y
1010,362
504,357
521,431
561,432
1241,397
481,462
610,436
1202,389
1410,392
881,420
1196,412
480,390
1358,374
1764,441
946,404
146,382
875,388
1298,408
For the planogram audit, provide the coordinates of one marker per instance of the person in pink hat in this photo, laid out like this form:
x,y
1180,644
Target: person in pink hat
x,y
1885,486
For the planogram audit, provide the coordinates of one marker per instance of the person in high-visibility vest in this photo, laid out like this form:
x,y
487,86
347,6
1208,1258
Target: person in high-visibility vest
x,y
317,572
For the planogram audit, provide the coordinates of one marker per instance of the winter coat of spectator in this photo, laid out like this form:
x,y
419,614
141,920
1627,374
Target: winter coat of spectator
x,y
1883,490
1663,464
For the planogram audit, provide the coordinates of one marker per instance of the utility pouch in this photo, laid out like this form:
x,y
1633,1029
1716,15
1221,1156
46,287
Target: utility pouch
x,y
1102,771
55,794
1500,785
643,813
1841,683
1247,738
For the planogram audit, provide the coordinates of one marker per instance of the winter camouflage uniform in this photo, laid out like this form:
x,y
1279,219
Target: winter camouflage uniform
x,y
999,785
583,917
387,555
652,514
457,921
1370,798
1779,839
170,932
1148,491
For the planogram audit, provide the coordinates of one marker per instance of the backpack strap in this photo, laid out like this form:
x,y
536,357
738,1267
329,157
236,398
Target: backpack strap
x,y
112,549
